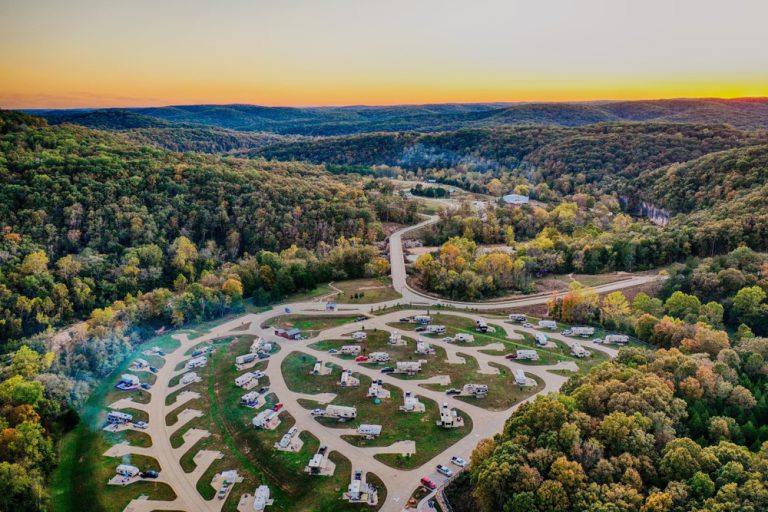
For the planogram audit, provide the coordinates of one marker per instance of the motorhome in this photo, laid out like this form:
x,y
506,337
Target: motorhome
x,y
369,431
424,348
396,339
118,418
378,357
422,319
245,359
351,349
518,317
479,390
481,325
449,418
547,324
618,339
464,337
375,390
347,380
520,378
436,329
246,381
197,362
584,332
541,339
578,351
250,399
340,412
411,403
409,367
531,355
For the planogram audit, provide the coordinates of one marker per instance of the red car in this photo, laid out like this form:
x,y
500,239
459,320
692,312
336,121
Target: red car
x,y
277,407
429,484
361,358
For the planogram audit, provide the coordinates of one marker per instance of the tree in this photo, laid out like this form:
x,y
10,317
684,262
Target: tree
x,y
749,308
184,256
683,306
614,308
233,288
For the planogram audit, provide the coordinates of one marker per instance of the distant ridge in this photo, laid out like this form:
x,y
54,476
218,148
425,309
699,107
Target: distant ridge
x,y
743,113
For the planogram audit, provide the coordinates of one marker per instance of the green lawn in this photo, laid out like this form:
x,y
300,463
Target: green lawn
x,y
365,291
396,425
310,325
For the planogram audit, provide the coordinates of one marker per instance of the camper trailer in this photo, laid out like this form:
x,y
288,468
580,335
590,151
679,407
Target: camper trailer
x,y
547,324
436,329
520,378
449,418
347,380
541,339
409,367
246,381
250,399
261,498
518,317
578,351
396,339
464,337
341,412
245,359
375,390
188,378
351,349
359,336
411,403
422,319
424,348
267,419
197,362
584,332
481,325
369,431
478,390
378,357
531,355
118,418
618,339
127,470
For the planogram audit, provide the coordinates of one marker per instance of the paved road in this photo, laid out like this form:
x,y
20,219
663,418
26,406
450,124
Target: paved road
x,y
400,483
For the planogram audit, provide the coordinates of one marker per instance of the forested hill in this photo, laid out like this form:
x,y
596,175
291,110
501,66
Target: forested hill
x,y
88,218
745,113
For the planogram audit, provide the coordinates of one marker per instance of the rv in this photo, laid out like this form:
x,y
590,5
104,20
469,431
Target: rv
x,y
127,471
578,351
347,380
261,498
260,345
531,355
547,324
128,381
246,380
518,317
351,349
520,378
378,357
424,348
584,332
140,364
618,339
411,403
481,325
449,418
464,337
541,339
197,362
188,378
245,359
422,319
286,439
266,419
359,336
479,390
375,390
250,399
409,367
369,431
118,418
436,329
396,339
318,461
340,412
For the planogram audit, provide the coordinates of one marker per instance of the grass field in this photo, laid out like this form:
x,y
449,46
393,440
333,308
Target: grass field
x,y
310,325
396,425
365,291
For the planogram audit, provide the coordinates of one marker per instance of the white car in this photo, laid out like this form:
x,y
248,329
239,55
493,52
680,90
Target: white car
x,y
140,424
318,412
444,470
528,325
459,462
597,340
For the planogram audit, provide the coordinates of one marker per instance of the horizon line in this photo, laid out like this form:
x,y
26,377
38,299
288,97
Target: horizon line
x,y
383,105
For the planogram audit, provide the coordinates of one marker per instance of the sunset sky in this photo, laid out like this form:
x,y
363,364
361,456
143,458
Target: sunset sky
x,y
99,53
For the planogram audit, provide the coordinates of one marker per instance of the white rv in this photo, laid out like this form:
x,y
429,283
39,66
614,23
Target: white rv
x,y
340,411
409,367
351,349
547,324
378,357
359,336
584,332
618,339
528,354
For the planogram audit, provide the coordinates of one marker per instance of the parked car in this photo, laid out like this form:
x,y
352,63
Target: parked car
x,y
333,351
387,369
597,340
277,406
153,369
360,359
421,328
429,484
150,474
444,470
160,353
511,356
140,424
144,385
361,319
459,461
405,320
263,390
262,355
566,332
528,325
318,412
453,391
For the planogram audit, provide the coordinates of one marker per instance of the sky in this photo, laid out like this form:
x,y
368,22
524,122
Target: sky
x,y
111,53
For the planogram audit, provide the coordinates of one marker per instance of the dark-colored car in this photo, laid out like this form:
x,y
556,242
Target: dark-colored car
x,y
153,369
263,355
387,369
263,390
144,385
453,391
150,474
421,328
